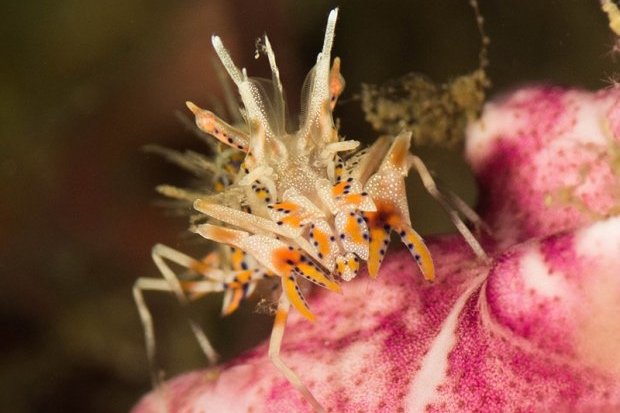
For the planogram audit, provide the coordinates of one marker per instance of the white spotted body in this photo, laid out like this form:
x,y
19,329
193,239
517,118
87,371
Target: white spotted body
x,y
301,210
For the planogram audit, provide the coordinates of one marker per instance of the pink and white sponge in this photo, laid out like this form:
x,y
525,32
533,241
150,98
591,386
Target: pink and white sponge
x,y
547,159
535,330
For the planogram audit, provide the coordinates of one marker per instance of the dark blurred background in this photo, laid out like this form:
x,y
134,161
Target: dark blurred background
x,y
85,84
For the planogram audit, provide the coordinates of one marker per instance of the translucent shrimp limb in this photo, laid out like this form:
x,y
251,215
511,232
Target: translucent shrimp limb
x,y
453,210
170,283
275,344
237,284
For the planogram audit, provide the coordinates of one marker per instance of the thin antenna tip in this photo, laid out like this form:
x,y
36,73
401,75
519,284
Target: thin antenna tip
x,y
191,106
216,41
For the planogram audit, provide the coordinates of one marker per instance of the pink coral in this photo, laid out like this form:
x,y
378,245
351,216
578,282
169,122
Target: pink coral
x,y
536,330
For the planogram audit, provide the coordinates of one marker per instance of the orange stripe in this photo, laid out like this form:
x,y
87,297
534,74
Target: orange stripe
x,y
290,206
355,199
236,258
284,259
317,277
338,189
292,221
280,318
377,243
297,300
426,261
234,302
354,230
323,242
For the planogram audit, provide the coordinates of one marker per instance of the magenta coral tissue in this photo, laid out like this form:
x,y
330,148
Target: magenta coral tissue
x,y
537,330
